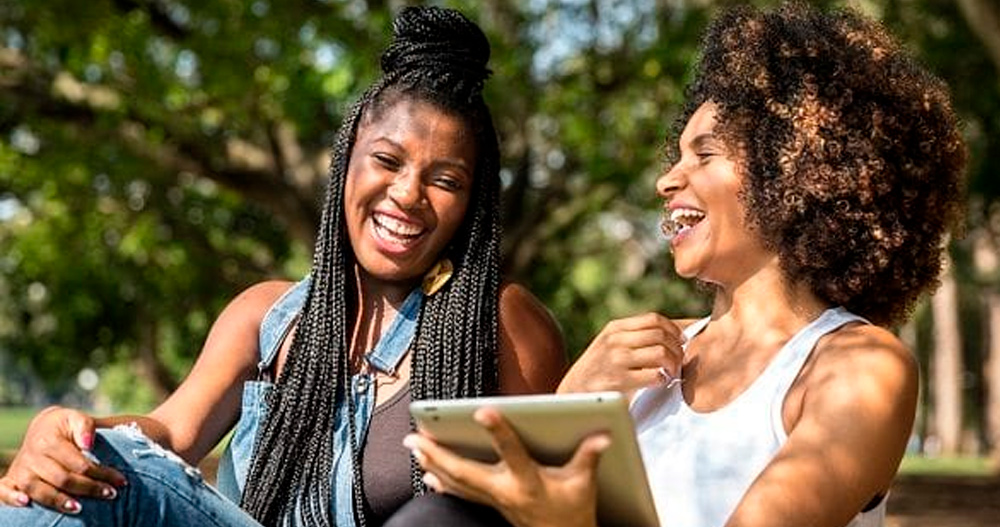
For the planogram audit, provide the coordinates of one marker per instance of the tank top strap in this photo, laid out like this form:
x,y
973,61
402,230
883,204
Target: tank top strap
x,y
793,355
785,368
278,321
696,327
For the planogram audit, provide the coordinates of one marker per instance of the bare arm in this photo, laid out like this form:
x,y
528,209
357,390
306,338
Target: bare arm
x,y
206,405
50,467
849,417
532,354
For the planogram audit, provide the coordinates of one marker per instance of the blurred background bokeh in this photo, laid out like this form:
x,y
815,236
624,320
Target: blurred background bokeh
x,y
158,156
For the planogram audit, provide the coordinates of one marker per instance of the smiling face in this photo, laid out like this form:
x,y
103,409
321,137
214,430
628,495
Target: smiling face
x,y
705,218
408,186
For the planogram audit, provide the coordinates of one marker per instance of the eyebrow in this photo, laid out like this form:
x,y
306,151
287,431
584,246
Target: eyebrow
x,y
702,140
452,163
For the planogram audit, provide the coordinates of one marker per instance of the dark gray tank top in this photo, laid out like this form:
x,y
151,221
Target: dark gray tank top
x,y
385,462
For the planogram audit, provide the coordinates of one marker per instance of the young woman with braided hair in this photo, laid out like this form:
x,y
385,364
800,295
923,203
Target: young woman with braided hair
x,y
818,178
404,300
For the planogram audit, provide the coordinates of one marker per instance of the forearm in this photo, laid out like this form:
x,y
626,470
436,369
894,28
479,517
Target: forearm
x,y
150,427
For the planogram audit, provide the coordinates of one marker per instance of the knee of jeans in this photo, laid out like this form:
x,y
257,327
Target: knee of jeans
x,y
128,449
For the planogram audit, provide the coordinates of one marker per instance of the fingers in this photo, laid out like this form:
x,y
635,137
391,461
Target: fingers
x,y
52,466
449,473
81,426
644,321
506,442
50,485
71,470
665,344
10,495
105,477
627,355
589,453
48,496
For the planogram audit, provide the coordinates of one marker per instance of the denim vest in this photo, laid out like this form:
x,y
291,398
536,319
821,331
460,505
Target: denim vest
x,y
388,353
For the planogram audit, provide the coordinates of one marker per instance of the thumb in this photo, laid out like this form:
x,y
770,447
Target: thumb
x,y
81,426
589,452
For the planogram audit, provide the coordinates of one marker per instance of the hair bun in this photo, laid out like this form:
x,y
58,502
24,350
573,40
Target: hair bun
x,y
433,38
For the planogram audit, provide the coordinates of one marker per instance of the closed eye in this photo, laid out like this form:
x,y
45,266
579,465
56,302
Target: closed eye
x,y
387,161
449,183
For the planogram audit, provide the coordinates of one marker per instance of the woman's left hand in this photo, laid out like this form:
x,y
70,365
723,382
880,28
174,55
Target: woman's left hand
x,y
526,493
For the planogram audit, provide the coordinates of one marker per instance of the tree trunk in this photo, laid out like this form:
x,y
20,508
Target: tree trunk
x,y
147,361
986,261
946,366
983,17
991,372
908,334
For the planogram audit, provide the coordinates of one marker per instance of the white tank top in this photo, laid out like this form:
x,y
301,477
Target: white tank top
x,y
699,465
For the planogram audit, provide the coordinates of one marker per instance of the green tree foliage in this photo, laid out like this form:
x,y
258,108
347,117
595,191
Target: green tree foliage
x,y
156,156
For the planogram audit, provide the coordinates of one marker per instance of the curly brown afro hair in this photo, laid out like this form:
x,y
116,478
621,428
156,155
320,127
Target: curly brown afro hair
x,y
853,158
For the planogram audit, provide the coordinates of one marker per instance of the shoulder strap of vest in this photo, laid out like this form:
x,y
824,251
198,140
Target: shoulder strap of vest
x,y
278,321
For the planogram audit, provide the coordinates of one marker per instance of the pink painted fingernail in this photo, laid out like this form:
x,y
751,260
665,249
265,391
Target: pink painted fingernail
x,y
109,493
72,506
22,498
88,441
431,481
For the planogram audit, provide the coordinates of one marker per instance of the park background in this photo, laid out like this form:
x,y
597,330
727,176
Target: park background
x,y
158,156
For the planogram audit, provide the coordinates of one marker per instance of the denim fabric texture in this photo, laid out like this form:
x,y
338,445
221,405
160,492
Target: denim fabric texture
x,y
162,490
386,357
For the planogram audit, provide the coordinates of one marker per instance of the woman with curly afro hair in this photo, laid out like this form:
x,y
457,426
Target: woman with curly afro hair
x,y
817,180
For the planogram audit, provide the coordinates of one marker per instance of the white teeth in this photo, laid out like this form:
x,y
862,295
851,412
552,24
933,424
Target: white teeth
x,y
679,220
389,227
686,217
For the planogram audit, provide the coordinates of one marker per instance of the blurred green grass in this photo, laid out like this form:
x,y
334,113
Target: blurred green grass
x,y
13,422
945,466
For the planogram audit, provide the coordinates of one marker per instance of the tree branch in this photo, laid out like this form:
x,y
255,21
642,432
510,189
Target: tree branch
x,y
158,17
235,163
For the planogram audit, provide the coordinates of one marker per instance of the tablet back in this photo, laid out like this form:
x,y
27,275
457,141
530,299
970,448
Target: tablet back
x,y
551,426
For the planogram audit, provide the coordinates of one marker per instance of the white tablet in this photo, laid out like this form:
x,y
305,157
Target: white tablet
x,y
551,426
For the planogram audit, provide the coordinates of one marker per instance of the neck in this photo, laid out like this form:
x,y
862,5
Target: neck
x,y
765,300
382,294
378,302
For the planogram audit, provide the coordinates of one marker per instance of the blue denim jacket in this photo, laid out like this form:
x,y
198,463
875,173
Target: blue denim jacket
x,y
388,353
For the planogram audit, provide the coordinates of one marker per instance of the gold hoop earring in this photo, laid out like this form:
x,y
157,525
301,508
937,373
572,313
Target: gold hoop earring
x,y
437,276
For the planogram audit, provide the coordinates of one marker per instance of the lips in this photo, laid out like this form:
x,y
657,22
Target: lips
x,y
397,233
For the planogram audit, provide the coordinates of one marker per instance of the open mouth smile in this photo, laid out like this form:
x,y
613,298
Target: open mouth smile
x,y
678,221
395,231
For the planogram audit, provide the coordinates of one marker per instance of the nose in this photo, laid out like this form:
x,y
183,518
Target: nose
x,y
406,190
671,181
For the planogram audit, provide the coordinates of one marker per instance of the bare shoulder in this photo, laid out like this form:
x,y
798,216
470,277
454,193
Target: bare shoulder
x,y
267,292
848,417
254,301
522,311
866,351
532,351
861,370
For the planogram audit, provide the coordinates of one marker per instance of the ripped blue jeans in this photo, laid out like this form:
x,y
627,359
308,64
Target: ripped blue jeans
x,y
162,490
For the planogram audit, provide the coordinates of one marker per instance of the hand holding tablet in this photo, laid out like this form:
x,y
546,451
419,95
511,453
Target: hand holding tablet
x,y
551,427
